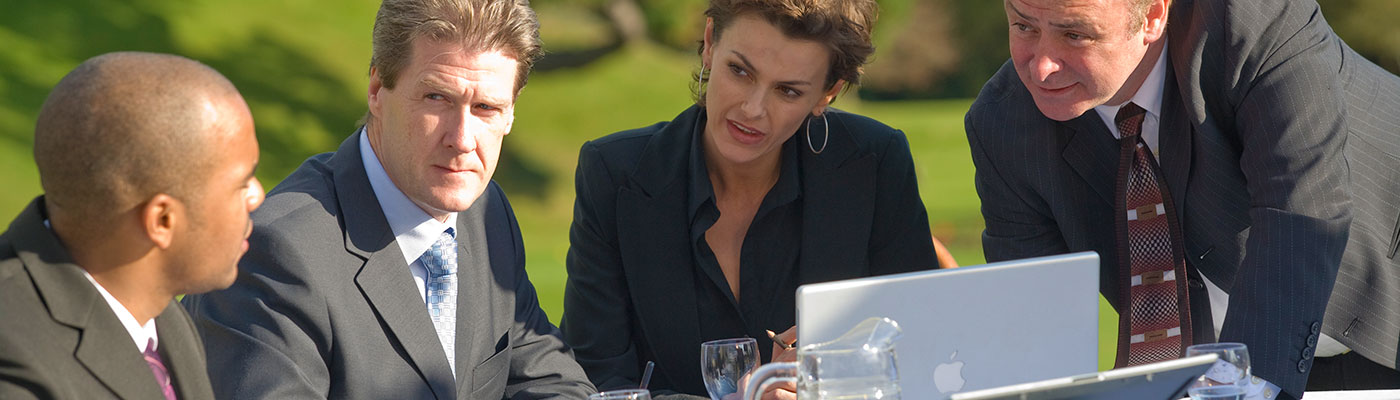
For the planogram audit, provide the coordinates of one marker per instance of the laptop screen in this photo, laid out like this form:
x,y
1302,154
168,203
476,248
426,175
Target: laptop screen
x,y
973,327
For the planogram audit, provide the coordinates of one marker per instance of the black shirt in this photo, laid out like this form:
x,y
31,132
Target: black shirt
x,y
767,260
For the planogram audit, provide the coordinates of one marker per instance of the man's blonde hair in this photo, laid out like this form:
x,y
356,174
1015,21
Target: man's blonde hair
x,y
506,25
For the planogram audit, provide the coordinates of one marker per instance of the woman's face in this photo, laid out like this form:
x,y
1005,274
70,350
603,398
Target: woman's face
x,y
763,85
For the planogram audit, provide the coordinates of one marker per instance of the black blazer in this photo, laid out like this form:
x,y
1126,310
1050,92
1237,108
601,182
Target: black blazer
x,y
631,297
1279,145
325,306
60,340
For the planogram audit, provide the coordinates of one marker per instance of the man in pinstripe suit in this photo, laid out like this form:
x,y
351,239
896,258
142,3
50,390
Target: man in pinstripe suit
x,y
1275,146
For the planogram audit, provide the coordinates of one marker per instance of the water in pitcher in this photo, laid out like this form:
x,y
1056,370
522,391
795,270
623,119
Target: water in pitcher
x,y
859,365
858,388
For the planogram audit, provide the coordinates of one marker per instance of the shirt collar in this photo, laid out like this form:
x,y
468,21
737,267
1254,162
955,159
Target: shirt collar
x,y
701,190
1149,96
789,185
787,189
140,333
414,230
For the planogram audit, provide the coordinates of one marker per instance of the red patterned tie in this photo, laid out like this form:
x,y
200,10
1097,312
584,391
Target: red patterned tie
x,y
158,368
1152,266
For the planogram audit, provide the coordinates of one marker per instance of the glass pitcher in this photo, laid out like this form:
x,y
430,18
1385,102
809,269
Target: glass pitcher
x,y
859,365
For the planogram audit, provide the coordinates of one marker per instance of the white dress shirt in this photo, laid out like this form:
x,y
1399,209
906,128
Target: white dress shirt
x,y
140,332
414,229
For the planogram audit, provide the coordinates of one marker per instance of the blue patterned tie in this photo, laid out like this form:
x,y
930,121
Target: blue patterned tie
x,y
441,262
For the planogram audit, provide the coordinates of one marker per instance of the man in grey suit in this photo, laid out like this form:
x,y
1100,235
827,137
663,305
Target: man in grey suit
x,y
147,162
393,267
1277,146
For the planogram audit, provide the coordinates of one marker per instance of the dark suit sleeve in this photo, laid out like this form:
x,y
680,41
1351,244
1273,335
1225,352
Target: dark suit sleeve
x,y
1015,229
541,365
597,305
900,239
266,335
1291,125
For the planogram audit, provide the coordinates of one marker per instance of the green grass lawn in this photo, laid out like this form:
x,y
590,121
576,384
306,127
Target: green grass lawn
x,y
301,69
632,87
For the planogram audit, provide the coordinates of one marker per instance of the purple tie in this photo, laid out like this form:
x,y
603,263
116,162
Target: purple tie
x,y
158,368
1152,266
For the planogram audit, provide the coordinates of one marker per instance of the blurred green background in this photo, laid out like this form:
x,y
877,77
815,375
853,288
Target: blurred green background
x,y
611,65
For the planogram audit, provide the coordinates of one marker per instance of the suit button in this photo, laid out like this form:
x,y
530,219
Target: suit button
x,y
1195,284
1303,367
1307,353
1312,340
1316,327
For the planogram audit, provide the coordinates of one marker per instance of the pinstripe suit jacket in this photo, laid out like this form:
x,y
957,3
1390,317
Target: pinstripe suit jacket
x,y
1279,145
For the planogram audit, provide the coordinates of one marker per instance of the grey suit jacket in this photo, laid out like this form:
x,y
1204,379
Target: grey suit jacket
x,y
1279,145
60,340
325,306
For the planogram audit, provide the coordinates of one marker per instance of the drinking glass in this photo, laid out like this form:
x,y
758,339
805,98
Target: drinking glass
x,y
725,363
624,394
1228,378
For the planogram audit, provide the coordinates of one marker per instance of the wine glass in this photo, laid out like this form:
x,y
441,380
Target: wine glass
x,y
1228,378
624,394
725,363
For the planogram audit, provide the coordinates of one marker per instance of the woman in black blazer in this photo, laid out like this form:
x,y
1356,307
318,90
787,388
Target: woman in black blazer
x,y
702,228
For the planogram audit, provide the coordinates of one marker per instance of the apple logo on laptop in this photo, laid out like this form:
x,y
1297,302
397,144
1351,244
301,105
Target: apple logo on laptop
x,y
948,376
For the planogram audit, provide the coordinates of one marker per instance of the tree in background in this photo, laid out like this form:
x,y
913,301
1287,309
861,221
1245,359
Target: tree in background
x,y
949,48
967,37
918,58
1369,27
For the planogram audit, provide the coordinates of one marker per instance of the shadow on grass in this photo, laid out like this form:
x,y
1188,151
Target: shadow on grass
x,y
299,106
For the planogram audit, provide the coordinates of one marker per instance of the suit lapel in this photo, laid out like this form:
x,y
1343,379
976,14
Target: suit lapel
x,y
1185,53
114,360
104,347
1093,153
1175,136
384,278
836,210
476,275
656,255
660,268
183,353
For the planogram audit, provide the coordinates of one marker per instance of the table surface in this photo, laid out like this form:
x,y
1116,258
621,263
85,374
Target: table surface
x,y
1353,395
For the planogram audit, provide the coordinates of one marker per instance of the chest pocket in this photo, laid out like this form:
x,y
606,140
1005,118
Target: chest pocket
x,y
489,377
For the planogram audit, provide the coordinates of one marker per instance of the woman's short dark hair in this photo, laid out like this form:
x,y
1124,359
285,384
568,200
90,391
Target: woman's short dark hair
x,y
843,26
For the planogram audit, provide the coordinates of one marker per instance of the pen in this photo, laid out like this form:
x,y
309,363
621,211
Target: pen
x,y
646,375
785,346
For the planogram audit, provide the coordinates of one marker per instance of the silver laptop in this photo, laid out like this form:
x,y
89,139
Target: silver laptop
x,y
1166,380
973,327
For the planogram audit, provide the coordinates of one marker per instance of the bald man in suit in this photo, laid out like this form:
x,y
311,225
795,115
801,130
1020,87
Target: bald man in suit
x,y
146,162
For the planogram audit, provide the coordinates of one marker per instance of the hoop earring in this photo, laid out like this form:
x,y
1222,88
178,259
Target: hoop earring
x,y
703,84
825,136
